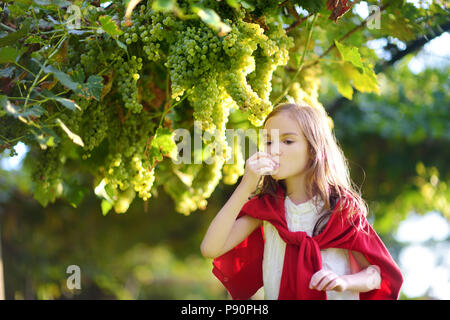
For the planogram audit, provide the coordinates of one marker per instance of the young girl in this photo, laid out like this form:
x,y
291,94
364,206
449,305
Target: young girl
x,y
304,235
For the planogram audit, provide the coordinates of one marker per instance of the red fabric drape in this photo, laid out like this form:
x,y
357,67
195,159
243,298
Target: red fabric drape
x,y
240,269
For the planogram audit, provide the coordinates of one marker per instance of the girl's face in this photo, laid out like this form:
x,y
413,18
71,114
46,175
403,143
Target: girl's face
x,y
289,147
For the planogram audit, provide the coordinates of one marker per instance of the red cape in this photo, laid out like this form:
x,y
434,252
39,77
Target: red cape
x,y
240,269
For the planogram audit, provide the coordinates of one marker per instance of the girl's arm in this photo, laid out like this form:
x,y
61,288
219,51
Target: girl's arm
x,y
367,279
225,232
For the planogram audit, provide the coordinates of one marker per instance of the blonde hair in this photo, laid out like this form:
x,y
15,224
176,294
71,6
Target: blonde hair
x,y
327,173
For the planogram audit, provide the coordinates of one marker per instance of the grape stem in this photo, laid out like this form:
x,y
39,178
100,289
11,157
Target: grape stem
x,y
167,110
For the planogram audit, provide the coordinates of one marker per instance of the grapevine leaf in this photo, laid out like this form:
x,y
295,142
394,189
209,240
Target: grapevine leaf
x,y
121,45
9,54
164,5
343,83
35,111
109,26
247,6
62,77
92,88
350,54
68,103
365,81
312,6
338,8
72,136
233,3
13,37
164,141
94,85
212,19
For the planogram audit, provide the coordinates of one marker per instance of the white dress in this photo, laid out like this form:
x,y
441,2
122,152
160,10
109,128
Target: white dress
x,y
301,217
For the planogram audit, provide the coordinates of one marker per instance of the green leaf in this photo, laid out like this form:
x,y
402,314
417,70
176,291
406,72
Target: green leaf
x,y
13,37
94,85
9,54
72,136
109,26
233,3
163,144
92,88
68,103
212,19
121,45
62,77
365,81
164,5
343,83
312,6
350,54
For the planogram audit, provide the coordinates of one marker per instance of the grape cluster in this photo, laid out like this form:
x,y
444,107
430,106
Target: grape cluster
x,y
128,76
144,176
128,166
46,174
193,55
94,126
235,166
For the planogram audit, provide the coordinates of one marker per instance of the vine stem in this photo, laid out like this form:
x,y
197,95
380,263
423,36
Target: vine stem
x,y
60,41
301,61
167,111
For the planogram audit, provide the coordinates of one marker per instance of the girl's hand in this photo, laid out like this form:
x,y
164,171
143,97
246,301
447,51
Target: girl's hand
x,y
260,163
327,280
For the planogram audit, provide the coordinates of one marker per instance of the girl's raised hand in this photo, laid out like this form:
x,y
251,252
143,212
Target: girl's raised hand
x,y
260,163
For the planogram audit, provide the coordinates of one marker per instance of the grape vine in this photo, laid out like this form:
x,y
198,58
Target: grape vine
x,y
110,92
